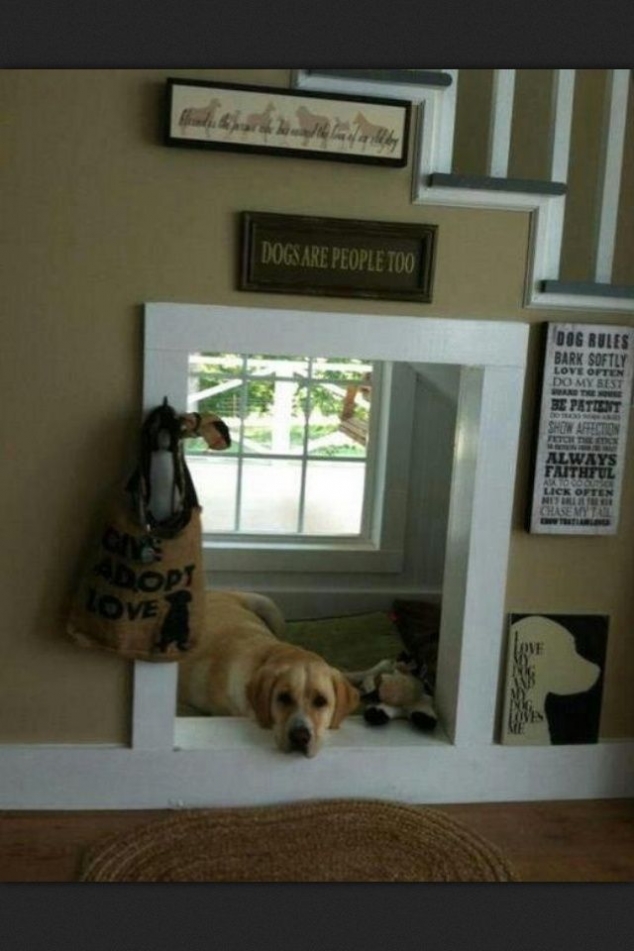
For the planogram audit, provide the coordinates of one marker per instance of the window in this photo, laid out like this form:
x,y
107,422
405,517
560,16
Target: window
x,y
316,480
303,439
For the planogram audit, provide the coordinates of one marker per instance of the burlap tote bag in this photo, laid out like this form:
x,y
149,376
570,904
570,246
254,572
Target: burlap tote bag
x,y
141,595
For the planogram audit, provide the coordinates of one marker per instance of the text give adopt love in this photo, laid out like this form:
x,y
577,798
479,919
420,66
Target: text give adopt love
x,y
118,549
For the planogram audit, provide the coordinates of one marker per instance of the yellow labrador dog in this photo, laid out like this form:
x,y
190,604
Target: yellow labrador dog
x,y
240,668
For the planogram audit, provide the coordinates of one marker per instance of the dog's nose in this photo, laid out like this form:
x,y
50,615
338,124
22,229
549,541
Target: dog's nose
x,y
299,738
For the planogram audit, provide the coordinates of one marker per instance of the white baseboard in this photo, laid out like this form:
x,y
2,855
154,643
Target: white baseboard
x,y
239,766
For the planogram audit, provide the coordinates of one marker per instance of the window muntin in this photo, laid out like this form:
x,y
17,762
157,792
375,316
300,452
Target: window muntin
x,y
302,444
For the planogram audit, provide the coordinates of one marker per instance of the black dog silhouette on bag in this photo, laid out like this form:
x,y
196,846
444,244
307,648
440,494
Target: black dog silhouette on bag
x,y
175,629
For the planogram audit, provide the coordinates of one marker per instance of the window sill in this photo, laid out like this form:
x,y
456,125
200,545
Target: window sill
x,y
356,557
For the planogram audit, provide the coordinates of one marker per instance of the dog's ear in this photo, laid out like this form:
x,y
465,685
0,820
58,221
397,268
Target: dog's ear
x,y
346,699
260,692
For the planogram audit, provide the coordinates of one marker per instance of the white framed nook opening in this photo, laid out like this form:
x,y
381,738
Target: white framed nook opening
x,y
488,361
224,760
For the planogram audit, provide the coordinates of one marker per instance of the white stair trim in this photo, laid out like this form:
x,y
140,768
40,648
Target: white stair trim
x,y
611,165
434,151
562,101
502,101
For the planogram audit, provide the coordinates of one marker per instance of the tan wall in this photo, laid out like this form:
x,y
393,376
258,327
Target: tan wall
x,y
99,217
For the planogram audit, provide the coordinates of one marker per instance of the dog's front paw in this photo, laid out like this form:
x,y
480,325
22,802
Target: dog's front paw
x,y
375,716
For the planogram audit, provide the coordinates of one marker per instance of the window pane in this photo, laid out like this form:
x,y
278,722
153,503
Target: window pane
x,y
334,498
274,420
223,399
339,420
215,386
270,495
311,408
216,481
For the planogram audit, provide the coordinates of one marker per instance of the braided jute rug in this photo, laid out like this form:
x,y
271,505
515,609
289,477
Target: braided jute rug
x,y
341,840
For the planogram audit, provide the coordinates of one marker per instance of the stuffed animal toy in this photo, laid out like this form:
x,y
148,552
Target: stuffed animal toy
x,y
418,625
213,430
162,485
395,689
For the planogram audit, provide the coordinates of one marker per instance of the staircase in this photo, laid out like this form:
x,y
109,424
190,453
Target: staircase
x,y
478,132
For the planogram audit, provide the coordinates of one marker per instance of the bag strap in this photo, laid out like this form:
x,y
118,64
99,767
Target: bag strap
x,y
161,431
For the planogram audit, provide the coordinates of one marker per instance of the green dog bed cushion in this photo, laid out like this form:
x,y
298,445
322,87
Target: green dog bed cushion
x,y
353,642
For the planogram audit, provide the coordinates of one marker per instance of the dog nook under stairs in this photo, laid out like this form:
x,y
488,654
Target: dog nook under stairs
x,y
174,762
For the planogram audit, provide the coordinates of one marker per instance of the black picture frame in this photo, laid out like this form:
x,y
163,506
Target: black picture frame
x,y
336,257
220,116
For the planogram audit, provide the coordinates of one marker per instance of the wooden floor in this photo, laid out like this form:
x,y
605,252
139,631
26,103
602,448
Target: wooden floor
x,y
581,841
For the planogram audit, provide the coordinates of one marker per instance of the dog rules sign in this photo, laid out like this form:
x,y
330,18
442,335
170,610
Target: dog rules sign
x,y
585,405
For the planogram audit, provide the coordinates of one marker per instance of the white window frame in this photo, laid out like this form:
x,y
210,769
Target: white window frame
x,y
368,460
174,331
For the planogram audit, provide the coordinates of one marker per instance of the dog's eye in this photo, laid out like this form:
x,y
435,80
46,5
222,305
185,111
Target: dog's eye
x,y
285,698
320,701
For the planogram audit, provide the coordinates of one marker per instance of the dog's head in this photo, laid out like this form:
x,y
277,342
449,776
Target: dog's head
x,y
300,702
